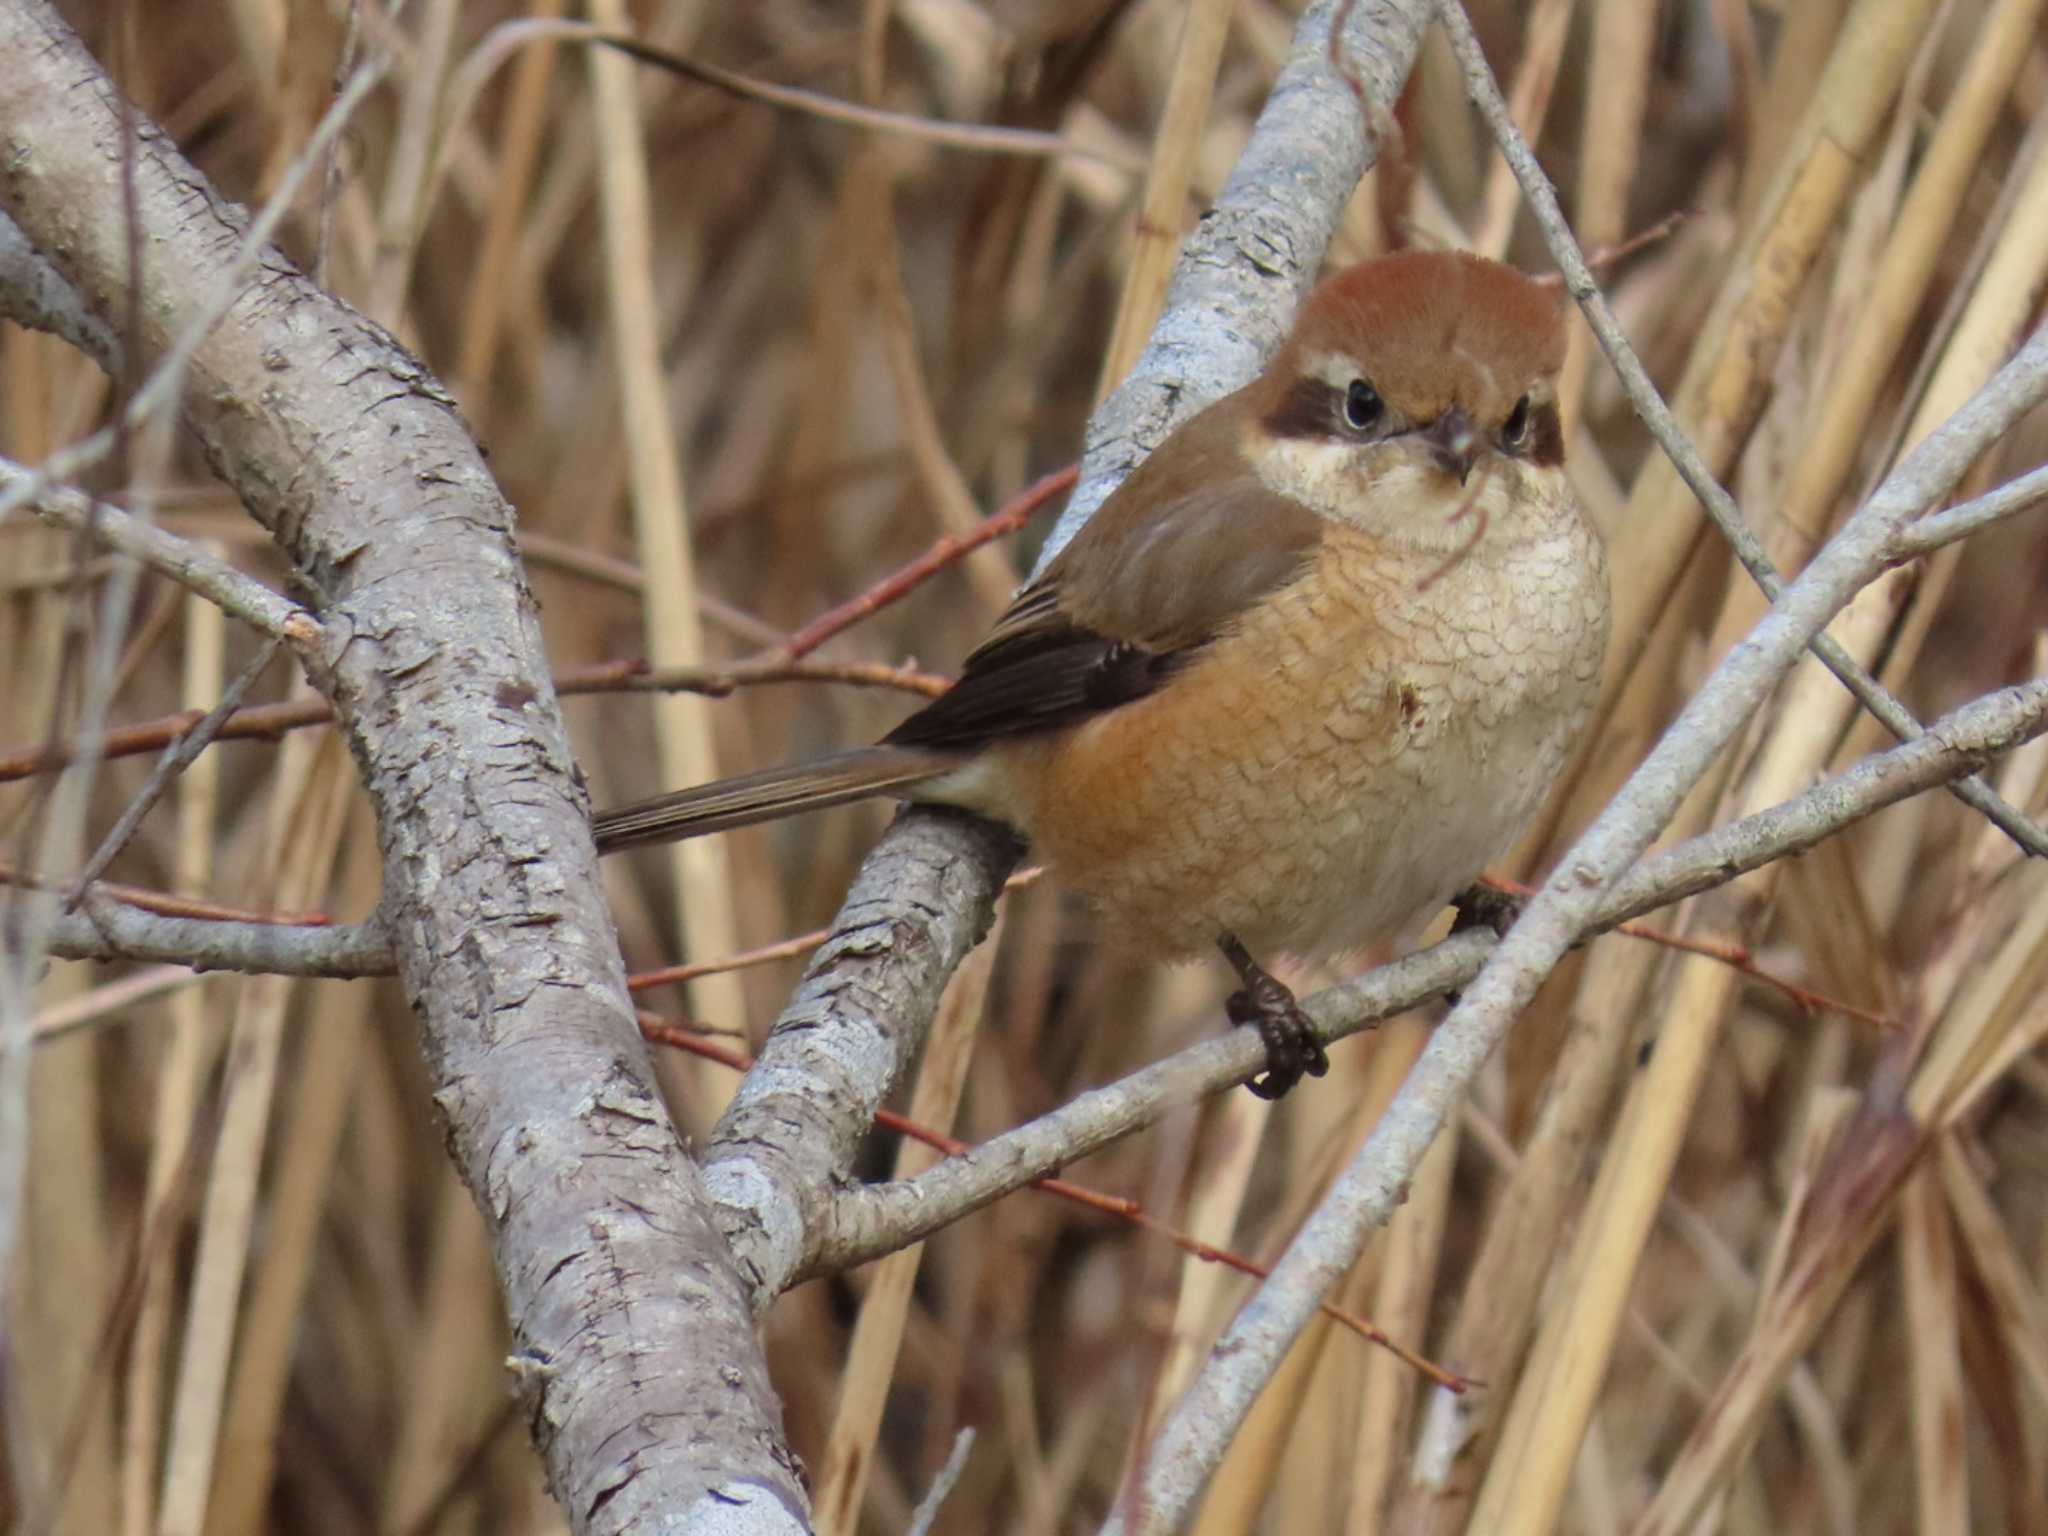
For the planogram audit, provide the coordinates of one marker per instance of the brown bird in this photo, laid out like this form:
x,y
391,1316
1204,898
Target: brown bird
x,y
1304,673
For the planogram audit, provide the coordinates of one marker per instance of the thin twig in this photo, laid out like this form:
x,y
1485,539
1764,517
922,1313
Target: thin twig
x,y
927,1512
267,722
241,596
1967,517
176,758
1008,518
505,39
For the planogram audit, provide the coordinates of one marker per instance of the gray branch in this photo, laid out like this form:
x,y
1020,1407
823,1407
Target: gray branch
x,y
35,294
107,929
1931,532
633,1341
234,593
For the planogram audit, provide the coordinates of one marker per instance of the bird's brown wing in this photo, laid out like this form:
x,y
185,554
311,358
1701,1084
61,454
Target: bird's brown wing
x,y
1164,566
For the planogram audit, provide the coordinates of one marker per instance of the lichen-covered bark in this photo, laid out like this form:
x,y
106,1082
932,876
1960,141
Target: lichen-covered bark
x,y
635,1353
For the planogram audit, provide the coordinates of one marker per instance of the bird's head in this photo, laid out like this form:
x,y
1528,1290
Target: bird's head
x,y
1403,377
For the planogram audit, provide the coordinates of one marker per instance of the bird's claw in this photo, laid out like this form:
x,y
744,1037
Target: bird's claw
x,y
1480,905
1292,1047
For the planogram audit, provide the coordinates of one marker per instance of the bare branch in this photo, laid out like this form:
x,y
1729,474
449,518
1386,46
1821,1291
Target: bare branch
x,y
106,929
1936,529
35,294
238,595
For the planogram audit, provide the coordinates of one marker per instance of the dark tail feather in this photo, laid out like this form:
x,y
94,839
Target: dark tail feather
x,y
750,797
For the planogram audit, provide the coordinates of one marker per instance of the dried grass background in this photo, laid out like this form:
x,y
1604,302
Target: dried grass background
x,y
838,345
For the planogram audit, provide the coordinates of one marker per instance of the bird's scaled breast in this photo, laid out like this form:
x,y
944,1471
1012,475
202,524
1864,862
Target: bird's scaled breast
x,y
1333,769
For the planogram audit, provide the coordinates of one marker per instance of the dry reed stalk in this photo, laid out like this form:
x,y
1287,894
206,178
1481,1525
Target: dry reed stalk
x,y
1307,1482
1253,1468
519,147
1883,308
1156,240
952,503
1927,1266
406,180
1220,1172
307,812
683,726
317,1096
1845,1211
454,1347
1808,40
1616,89
182,1067
1402,1305
1245,1479
66,1228
108,1004
1999,1266
1543,40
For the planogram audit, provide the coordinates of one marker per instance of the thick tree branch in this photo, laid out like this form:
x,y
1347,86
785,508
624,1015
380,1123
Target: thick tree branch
x,y
635,1351
864,1005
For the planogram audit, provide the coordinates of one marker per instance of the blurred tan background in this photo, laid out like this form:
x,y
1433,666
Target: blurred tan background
x,y
847,344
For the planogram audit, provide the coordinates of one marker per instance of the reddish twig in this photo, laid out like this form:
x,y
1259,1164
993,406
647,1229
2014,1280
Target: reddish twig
x,y
1014,514
783,663
164,904
1607,255
1735,956
267,722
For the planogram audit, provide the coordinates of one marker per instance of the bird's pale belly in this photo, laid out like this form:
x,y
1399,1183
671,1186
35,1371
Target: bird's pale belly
x,y
1325,785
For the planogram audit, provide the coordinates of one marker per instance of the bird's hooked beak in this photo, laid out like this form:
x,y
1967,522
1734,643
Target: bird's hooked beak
x,y
1453,443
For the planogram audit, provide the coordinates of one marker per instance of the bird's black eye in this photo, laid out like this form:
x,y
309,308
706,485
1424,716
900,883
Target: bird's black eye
x,y
1516,430
1362,406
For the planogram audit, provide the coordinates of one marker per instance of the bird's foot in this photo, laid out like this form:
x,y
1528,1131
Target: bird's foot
x,y
1480,905
1292,1049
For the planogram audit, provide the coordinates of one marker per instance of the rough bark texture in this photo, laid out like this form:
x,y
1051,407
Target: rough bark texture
x,y
634,1348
